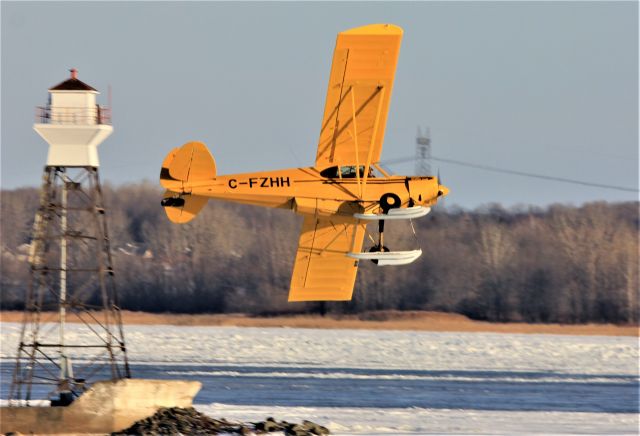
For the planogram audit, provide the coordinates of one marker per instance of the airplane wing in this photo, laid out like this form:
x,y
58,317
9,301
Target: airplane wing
x,y
355,114
322,271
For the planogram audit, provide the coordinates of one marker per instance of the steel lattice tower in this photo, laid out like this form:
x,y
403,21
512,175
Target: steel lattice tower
x,y
423,153
72,277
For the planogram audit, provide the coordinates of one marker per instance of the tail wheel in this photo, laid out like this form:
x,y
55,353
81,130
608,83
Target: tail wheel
x,y
377,249
389,201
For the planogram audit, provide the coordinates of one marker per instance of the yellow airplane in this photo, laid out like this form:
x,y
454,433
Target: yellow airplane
x,y
342,192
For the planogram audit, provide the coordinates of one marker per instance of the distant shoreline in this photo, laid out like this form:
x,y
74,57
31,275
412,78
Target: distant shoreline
x,y
383,320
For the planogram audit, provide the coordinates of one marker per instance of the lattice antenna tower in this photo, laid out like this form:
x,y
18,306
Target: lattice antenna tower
x,y
423,153
72,276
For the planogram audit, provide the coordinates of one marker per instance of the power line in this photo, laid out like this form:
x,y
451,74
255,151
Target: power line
x,y
516,173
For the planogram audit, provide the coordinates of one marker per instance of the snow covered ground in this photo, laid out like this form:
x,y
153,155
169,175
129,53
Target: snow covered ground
x,y
392,382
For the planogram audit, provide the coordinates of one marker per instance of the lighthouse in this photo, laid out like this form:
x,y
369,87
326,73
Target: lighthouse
x,y
72,275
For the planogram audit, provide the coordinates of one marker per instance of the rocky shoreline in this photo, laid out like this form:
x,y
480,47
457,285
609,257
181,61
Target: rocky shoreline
x,y
181,421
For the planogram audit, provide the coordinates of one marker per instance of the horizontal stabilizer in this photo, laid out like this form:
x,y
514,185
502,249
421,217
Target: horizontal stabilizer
x,y
182,208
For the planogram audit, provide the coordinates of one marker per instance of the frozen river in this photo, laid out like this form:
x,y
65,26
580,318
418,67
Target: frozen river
x,y
392,382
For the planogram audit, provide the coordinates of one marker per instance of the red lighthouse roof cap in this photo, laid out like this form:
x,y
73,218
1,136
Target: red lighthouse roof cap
x,y
73,84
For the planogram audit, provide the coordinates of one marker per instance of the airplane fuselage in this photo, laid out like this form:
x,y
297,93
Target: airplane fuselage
x,y
305,190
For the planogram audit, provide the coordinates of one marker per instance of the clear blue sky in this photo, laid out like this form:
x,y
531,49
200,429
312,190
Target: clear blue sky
x,y
541,87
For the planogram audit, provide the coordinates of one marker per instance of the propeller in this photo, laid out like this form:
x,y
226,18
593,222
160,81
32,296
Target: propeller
x,y
442,190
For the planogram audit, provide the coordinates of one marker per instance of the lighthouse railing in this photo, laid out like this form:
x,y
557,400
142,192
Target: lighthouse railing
x,y
73,115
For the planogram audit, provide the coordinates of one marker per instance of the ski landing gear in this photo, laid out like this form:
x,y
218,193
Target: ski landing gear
x,y
379,253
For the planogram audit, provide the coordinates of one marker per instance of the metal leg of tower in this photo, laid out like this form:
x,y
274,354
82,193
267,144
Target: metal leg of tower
x,y
72,278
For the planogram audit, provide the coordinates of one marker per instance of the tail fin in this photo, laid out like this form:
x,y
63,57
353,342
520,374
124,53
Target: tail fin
x,y
190,163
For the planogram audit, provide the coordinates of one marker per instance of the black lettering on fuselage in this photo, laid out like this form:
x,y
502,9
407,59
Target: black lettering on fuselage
x,y
262,182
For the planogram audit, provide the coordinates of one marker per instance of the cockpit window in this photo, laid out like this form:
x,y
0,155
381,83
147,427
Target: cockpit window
x,y
346,172
330,173
349,172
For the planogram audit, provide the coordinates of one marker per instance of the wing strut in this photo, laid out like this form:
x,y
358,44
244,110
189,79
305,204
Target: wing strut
x,y
375,131
362,181
355,136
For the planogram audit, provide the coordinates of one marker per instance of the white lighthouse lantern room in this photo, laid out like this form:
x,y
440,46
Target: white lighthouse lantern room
x,y
73,124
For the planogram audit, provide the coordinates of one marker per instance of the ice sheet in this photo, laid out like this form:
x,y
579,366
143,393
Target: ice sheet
x,y
392,382
412,421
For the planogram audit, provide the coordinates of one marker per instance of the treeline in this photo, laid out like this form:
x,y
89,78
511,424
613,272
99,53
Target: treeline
x,y
557,264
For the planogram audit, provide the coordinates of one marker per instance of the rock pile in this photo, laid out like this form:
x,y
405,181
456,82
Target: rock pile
x,y
179,421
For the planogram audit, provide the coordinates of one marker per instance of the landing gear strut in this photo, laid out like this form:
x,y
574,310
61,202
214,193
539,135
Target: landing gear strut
x,y
387,202
379,247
